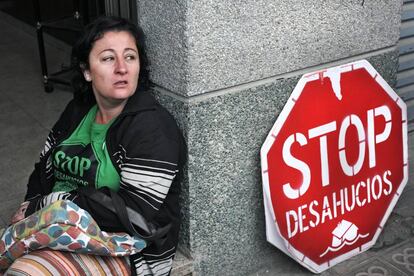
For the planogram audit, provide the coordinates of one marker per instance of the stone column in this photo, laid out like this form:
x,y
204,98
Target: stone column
x,y
225,70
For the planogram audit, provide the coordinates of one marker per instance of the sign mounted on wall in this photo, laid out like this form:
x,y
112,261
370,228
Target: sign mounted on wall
x,y
334,165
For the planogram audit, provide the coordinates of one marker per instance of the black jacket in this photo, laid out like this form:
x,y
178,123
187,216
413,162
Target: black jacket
x,y
148,151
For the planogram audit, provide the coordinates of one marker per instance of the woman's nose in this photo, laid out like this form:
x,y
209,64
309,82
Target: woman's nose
x,y
120,67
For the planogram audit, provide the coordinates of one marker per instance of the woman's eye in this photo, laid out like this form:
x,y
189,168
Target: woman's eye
x,y
130,57
107,59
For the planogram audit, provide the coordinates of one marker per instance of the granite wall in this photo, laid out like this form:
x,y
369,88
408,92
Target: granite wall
x,y
225,70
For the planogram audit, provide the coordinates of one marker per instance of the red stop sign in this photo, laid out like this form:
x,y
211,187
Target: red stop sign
x,y
334,165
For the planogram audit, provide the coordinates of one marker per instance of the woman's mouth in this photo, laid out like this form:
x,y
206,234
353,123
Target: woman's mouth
x,y
121,83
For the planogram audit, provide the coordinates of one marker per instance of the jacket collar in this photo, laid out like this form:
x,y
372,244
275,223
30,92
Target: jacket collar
x,y
140,101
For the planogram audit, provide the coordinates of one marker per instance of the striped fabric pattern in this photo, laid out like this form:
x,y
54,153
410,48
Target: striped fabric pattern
x,y
50,262
50,143
53,197
151,264
147,179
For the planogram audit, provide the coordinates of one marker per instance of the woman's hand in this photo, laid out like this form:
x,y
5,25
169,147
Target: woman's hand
x,y
19,215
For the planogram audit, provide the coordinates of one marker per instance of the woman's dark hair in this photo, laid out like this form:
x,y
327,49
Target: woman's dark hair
x,y
83,46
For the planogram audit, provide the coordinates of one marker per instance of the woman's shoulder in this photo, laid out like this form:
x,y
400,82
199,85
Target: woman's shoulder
x,y
146,107
156,121
76,107
151,132
72,113
140,101
148,120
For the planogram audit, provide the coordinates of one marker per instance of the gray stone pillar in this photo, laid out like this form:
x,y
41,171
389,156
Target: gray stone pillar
x,y
225,70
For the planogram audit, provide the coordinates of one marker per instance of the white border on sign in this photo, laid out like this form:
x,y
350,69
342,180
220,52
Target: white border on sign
x,y
273,233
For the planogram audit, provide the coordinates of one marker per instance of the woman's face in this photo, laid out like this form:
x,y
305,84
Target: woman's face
x,y
113,67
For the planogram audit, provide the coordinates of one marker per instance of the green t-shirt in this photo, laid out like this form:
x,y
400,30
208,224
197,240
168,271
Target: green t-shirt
x,y
83,159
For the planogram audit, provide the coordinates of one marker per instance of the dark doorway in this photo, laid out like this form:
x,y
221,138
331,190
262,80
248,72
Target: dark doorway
x,y
50,10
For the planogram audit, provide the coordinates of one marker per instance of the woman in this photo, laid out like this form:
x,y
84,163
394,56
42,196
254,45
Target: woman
x,y
116,142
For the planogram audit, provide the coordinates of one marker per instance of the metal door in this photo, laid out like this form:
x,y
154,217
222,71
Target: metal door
x,y
123,8
405,76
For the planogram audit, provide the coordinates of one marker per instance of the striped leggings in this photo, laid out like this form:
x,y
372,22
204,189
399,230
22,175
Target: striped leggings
x,y
48,262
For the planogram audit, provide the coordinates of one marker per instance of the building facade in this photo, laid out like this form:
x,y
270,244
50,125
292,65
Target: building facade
x,y
225,70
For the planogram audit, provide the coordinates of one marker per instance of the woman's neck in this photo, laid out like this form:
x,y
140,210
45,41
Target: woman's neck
x,y
106,113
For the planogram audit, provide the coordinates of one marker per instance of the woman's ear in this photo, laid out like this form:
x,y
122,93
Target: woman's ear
x,y
85,71
87,75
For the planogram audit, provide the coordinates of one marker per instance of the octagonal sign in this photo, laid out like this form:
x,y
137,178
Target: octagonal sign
x,y
334,165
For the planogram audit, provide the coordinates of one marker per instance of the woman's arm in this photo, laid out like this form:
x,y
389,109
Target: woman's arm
x,y
40,182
